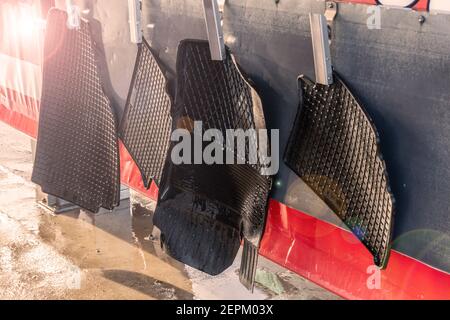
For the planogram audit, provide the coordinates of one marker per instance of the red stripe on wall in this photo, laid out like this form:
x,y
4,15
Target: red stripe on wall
x,y
131,176
20,103
335,259
420,5
18,121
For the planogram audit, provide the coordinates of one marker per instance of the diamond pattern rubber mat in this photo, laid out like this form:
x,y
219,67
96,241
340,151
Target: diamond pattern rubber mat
x,y
334,149
77,157
146,123
196,231
233,197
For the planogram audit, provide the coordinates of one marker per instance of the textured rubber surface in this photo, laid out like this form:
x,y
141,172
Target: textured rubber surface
x,y
334,148
233,196
198,232
77,157
146,123
237,187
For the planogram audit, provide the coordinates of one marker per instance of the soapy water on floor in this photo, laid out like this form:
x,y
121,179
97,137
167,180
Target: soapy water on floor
x,y
109,255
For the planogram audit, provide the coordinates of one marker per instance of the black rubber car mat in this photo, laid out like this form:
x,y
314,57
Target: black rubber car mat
x,y
233,197
196,231
146,122
77,156
334,148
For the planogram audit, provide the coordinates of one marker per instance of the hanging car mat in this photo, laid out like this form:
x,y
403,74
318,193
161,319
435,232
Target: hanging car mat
x,y
77,157
196,231
217,202
146,123
334,149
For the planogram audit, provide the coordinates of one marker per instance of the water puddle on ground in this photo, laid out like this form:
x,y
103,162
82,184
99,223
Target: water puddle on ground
x,y
81,255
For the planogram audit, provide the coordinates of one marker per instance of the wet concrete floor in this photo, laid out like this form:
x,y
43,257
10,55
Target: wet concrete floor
x,y
109,255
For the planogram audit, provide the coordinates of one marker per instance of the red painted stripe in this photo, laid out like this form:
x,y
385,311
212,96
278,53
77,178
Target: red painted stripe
x,y
421,5
336,260
20,103
131,176
18,121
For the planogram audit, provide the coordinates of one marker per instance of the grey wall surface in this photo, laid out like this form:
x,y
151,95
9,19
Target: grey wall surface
x,y
401,73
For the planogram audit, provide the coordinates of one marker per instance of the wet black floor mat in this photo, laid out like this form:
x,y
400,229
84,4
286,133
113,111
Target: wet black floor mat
x,y
146,123
334,149
196,231
231,199
77,157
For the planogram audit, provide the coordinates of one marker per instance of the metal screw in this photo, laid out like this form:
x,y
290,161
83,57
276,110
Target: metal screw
x,y
421,19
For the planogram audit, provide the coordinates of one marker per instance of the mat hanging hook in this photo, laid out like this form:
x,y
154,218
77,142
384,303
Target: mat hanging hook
x,y
213,19
321,28
73,15
321,49
134,13
330,13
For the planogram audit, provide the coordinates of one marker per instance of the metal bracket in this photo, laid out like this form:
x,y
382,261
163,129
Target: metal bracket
x,y
330,11
134,12
331,8
321,28
321,49
73,15
213,19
